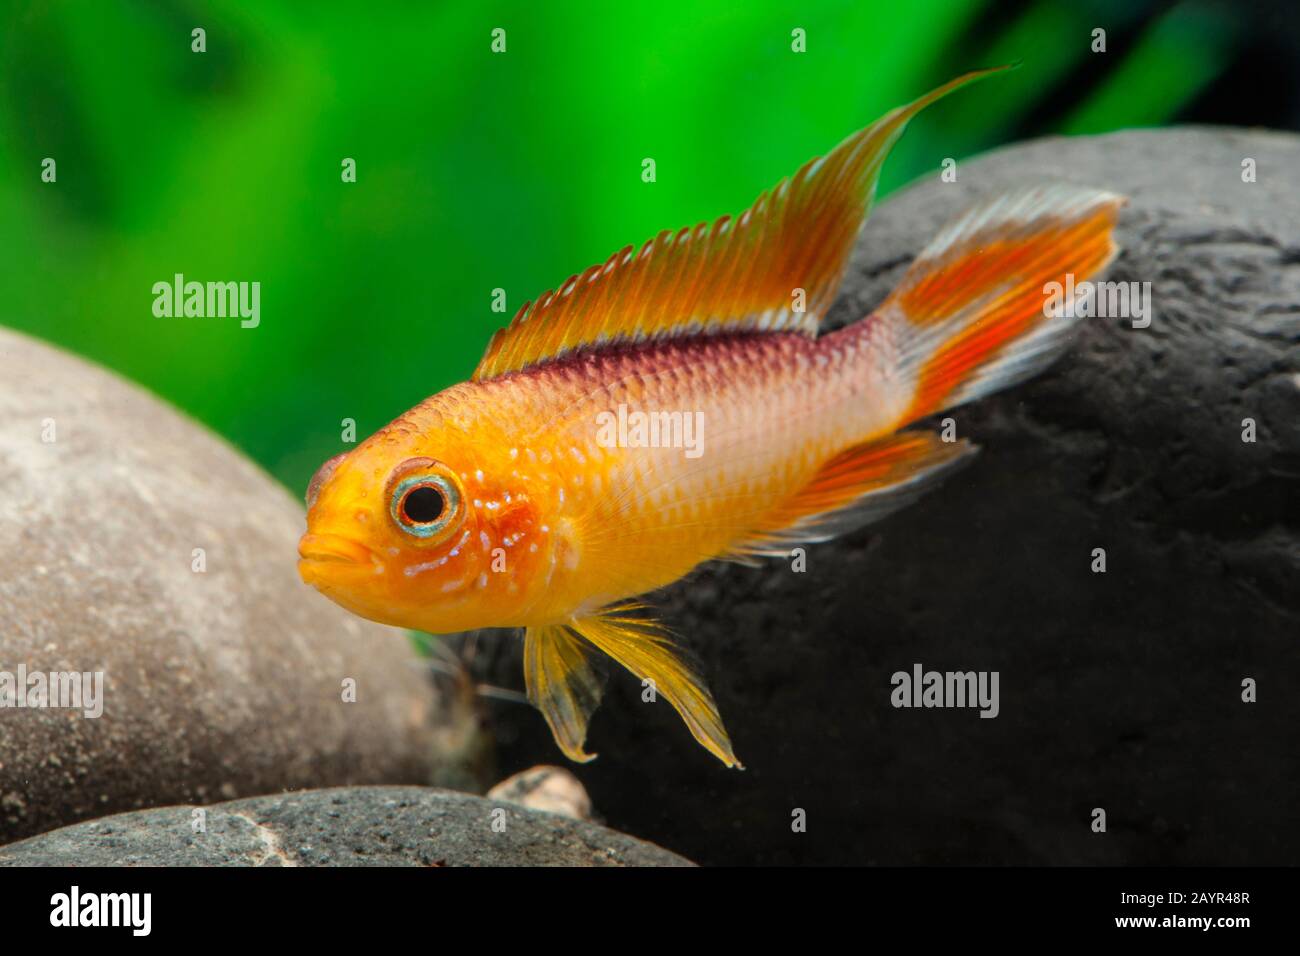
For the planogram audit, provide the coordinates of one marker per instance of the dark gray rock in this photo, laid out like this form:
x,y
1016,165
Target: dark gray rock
x,y
1119,690
347,826
217,684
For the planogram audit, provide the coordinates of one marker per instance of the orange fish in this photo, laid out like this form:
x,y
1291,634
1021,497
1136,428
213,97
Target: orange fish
x,y
676,404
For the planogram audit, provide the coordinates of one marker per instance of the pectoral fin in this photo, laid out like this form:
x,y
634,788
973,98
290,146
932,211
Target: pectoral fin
x,y
643,647
562,685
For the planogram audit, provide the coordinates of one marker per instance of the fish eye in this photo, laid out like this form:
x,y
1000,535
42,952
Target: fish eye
x,y
424,505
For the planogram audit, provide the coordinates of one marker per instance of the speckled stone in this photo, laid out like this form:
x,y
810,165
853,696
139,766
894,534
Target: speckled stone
x,y
347,826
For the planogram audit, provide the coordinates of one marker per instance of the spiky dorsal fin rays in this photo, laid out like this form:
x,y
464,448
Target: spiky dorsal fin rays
x,y
738,275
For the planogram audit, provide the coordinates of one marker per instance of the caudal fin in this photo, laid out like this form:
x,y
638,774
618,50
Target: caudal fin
x,y
975,313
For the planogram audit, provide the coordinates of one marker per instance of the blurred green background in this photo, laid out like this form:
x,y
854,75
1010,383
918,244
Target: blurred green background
x,y
478,170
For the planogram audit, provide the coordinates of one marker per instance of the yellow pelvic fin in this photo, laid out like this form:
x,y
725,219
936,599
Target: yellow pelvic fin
x,y
738,275
562,685
643,647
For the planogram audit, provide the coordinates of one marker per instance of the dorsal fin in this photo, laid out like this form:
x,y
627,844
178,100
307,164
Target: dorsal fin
x,y
738,275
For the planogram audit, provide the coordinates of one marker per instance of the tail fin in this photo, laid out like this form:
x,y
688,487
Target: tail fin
x,y
974,313
971,317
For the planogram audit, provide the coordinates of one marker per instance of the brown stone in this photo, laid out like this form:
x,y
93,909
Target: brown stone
x,y
219,684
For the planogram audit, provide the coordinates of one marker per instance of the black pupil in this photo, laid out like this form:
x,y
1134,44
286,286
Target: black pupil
x,y
423,505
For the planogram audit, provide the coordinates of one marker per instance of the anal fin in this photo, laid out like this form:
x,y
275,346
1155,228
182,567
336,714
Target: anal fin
x,y
859,485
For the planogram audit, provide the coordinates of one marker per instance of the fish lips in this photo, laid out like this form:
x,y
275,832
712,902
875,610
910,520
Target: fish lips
x,y
326,556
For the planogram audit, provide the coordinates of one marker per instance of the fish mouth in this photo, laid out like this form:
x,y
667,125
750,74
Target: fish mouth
x,y
330,551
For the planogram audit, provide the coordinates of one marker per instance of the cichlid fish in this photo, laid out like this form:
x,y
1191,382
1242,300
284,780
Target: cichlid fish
x,y
676,404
